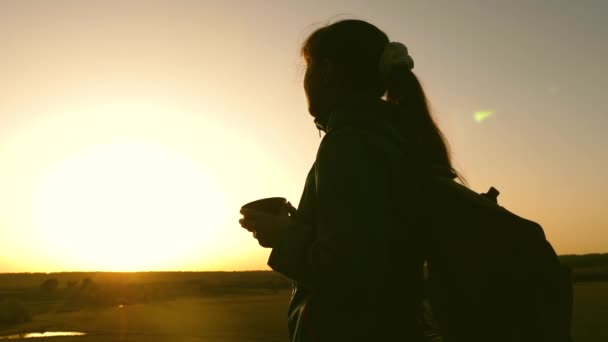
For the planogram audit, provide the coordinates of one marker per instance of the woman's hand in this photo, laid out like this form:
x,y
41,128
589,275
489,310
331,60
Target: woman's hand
x,y
266,228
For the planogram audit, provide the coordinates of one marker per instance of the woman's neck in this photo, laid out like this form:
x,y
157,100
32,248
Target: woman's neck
x,y
344,103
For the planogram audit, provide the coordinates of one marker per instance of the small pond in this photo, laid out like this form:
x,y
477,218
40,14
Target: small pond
x,y
41,335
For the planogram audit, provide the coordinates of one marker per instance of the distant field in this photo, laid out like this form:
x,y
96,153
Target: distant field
x,y
222,307
148,306
259,317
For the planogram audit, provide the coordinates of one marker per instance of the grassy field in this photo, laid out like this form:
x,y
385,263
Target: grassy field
x,y
590,321
253,317
255,312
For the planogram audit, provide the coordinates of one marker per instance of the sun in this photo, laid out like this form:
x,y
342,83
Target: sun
x,y
126,206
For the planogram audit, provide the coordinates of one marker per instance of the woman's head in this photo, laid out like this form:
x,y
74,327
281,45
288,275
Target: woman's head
x,y
348,59
342,60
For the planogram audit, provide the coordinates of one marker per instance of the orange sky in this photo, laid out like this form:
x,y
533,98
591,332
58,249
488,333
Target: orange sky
x,y
131,132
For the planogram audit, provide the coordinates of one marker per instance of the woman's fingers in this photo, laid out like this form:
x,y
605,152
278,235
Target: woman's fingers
x,y
291,209
247,224
250,226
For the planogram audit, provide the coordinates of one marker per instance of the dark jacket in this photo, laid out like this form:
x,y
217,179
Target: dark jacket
x,y
353,250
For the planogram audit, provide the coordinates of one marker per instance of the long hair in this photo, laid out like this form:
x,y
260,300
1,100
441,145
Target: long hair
x,y
354,47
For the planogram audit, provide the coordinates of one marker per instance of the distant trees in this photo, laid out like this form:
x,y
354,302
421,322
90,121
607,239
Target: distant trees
x,y
49,285
584,261
587,268
86,283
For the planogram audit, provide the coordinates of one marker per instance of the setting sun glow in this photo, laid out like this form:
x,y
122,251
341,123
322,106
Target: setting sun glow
x,y
126,207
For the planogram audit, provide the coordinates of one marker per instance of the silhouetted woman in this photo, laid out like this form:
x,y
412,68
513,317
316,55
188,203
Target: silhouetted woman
x,y
351,248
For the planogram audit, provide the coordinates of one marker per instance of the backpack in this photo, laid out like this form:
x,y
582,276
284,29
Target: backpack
x,y
492,275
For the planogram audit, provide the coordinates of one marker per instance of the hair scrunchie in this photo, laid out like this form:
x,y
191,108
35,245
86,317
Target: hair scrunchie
x,y
394,53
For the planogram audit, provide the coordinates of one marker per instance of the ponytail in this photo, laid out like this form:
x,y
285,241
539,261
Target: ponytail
x,y
405,90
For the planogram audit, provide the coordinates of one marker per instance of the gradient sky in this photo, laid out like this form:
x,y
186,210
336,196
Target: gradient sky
x,y
132,131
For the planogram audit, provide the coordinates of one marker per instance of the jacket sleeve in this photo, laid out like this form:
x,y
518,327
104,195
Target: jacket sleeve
x,y
350,244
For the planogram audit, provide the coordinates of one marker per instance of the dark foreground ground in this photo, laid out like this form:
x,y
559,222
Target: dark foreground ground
x,y
210,307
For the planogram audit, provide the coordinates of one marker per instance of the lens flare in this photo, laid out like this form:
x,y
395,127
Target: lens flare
x,y
481,116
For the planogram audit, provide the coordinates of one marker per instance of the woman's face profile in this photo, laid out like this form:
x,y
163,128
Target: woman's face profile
x,y
310,86
317,89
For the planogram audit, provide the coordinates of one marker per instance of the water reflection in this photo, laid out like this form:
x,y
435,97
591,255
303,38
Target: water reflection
x,y
44,334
